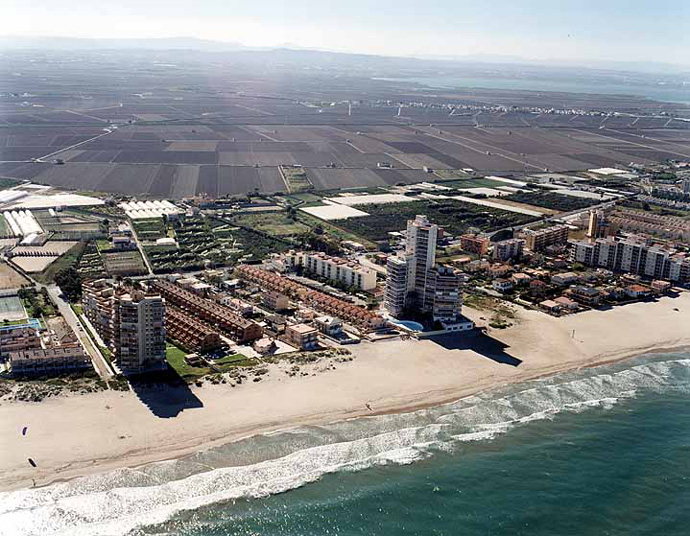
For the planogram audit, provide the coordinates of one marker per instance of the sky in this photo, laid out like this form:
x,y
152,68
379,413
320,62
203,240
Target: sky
x,y
619,30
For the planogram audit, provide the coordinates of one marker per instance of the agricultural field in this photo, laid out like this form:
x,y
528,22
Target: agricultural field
x,y
124,263
555,201
150,230
10,278
296,179
272,223
456,217
11,308
225,127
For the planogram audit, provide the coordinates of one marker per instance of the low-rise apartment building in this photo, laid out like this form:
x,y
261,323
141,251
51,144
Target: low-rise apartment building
x,y
189,332
49,361
633,255
473,243
349,273
302,336
17,340
508,249
350,313
221,317
540,239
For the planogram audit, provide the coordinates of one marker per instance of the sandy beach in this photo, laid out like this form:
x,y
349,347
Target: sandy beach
x,y
73,435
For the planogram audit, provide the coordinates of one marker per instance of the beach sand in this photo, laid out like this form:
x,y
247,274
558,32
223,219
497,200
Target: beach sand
x,y
73,435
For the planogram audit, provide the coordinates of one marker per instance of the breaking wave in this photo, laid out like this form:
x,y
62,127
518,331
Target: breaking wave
x,y
118,502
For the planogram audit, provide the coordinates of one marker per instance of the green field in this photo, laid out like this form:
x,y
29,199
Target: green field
x,y
4,228
175,357
456,217
273,223
150,229
297,179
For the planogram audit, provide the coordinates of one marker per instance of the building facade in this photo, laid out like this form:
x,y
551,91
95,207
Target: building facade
x,y
132,324
349,273
140,332
538,240
395,293
508,249
632,256
474,244
420,248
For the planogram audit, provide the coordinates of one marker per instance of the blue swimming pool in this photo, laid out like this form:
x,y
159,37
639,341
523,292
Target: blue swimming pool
x,y
409,324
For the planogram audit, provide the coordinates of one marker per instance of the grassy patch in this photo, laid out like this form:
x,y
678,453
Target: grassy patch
x,y
296,178
69,259
175,357
273,223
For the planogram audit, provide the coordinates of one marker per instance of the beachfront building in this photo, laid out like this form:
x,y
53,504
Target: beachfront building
x,y
348,312
189,332
420,248
17,339
302,336
633,255
336,269
415,283
49,361
473,243
445,293
131,324
540,239
219,316
395,293
139,332
508,249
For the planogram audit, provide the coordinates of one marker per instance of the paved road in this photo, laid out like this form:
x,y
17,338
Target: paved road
x,y
99,362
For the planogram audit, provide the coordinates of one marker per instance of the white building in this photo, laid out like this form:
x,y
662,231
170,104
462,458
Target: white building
x,y
395,293
632,256
420,247
349,273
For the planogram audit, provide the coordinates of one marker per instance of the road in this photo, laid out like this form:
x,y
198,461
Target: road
x,y
99,362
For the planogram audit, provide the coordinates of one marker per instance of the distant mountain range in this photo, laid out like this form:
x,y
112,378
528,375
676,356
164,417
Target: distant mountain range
x,y
205,45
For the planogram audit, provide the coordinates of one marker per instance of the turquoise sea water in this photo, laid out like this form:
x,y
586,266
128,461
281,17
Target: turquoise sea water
x,y
604,451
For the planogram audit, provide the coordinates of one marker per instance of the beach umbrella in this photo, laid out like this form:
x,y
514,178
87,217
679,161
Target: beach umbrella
x,y
33,463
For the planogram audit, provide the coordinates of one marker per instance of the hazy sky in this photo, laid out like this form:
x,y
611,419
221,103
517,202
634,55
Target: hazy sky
x,y
542,29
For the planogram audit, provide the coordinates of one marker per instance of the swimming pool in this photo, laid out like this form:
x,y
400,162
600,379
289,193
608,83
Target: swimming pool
x,y
409,324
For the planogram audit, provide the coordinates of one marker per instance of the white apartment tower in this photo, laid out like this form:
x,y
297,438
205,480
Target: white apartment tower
x,y
395,294
139,332
421,249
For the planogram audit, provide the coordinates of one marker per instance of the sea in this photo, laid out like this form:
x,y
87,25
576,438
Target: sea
x,y
675,91
600,451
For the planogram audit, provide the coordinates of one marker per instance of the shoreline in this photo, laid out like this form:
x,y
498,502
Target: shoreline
x,y
429,376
